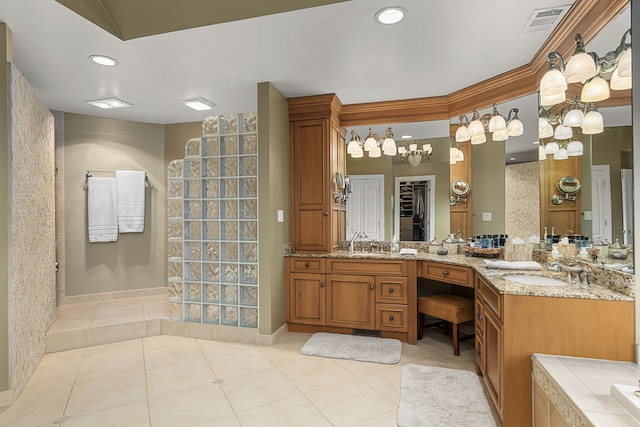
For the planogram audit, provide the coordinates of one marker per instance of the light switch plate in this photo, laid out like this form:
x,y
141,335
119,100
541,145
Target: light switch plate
x,y
588,215
280,215
486,216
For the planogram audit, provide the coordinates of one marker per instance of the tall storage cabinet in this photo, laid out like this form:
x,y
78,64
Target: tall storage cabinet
x,y
317,152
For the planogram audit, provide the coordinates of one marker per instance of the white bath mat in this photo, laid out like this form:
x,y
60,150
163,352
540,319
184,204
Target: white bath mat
x,y
353,347
432,396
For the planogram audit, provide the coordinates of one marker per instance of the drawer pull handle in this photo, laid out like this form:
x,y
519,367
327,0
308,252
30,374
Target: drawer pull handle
x,y
391,290
372,287
480,317
445,273
322,284
391,318
325,213
478,352
306,264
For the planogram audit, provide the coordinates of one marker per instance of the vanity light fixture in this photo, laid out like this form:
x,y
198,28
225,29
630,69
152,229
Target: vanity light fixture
x,y
575,148
109,103
575,116
390,15
373,144
414,154
500,128
593,122
107,61
590,69
455,153
199,104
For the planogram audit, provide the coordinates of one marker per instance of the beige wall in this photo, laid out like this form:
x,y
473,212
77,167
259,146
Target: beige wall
x,y
522,200
5,54
273,195
488,185
136,260
32,229
391,167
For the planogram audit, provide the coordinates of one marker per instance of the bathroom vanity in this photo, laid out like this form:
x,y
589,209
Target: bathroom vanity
x,y
376,293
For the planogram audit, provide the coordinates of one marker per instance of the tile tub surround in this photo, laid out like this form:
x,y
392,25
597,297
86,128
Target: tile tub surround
x,y
579,388
213,225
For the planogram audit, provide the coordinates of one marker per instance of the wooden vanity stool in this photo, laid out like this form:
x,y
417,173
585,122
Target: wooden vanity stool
x,y
453,309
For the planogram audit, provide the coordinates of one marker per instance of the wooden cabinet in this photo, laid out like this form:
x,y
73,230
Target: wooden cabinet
x,y
454,274
343,295
510,328
317,152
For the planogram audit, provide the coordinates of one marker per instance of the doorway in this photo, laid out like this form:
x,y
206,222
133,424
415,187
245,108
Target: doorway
x,y
365,206
601,202
414,208
627,206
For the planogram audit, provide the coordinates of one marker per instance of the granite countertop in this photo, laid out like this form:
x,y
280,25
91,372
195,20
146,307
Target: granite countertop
x,y
580,388
609,285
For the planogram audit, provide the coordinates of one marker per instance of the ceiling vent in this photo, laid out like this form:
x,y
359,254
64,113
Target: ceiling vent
x,y
544,20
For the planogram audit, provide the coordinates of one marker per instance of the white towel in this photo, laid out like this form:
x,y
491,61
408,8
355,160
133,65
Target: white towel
x,y
102,207
513,265
130,201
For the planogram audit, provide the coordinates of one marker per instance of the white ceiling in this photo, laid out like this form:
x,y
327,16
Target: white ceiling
x,y
440,47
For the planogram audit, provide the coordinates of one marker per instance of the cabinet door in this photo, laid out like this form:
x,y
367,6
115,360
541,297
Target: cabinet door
x,y
310,183
492,357
307,298
351,301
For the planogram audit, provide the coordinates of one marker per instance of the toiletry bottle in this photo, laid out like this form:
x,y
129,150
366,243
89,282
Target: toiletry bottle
x,y
395,246
583,253
553,257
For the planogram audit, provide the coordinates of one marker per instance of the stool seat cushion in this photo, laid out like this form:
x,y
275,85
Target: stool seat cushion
x,y
452,308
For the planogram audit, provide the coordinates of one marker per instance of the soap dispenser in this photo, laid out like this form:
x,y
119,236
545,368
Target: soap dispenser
x,y
553,258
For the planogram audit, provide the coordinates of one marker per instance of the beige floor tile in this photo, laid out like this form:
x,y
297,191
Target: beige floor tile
x,y
293,411
309,373
251,391
283,353
386,382
388,419
117,313
115,333
360,368
227,421
105,361
213,349
189,407
239,364
57,370
163,350
69,340
175,378
350,402
131,415
36,407
117,390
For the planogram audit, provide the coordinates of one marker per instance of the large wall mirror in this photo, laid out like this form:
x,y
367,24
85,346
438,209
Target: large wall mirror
x,y
602,209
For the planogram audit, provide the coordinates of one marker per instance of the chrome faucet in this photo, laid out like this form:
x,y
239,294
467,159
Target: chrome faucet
x,y
356,234
577,270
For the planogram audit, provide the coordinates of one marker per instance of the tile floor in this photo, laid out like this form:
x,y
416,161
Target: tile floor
x,y
175,381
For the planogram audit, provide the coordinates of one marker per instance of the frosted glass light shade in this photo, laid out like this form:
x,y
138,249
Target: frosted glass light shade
x,y
453,155
353,147
563,132
619,83
561,154
593,123
413,147
427,148
553,82
478,139
580,68
370,143
414,159
375,152
460,157
541,154
551,148
389,147
462,134
574,118
390,151
575,148
358,154
500,135
545,130
402,150
548,100
497,123
595,90
476,128
515,128
624,65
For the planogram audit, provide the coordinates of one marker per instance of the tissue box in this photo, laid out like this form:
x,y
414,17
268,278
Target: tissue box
x,y
567,249
453,248
520,252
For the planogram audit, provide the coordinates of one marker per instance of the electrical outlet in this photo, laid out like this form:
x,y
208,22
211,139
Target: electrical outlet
x,y
588,215
486,216
286,248
280,215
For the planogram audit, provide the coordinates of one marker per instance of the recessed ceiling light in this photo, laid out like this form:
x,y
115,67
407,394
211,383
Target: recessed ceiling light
x,y
103,60
199,104
406,136
390,15
109,103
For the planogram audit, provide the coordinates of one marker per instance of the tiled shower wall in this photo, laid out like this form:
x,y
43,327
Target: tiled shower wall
x,y
213,225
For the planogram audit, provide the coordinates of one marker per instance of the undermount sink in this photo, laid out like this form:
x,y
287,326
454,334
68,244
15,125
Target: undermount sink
x,y
625,396
532,280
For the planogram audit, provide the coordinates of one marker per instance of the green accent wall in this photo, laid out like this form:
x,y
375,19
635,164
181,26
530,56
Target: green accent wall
x,y
488,187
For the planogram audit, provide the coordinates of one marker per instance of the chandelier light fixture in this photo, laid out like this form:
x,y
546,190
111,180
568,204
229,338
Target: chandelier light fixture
x,y
414,154
565,138
501,128
587,68
373,144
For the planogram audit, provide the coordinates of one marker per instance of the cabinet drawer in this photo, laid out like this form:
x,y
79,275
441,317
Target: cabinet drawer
x,y
392,317
369,267
307,265
446,273
491,297
391,289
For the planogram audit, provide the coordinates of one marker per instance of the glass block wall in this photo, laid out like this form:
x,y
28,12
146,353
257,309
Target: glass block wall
x,y
213,225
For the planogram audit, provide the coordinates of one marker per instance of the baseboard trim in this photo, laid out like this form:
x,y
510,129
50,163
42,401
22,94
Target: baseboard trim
x,y
108,296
